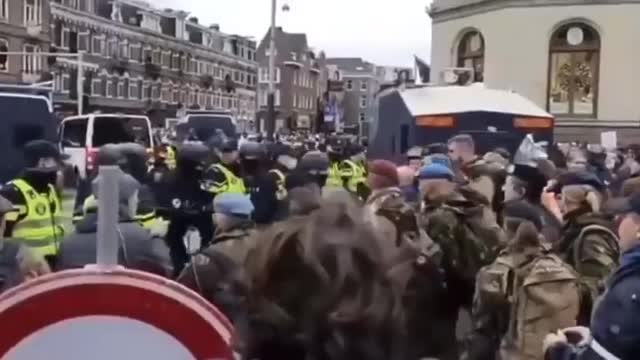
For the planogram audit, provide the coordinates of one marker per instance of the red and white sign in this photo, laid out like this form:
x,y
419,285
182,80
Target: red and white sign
x,y
119,314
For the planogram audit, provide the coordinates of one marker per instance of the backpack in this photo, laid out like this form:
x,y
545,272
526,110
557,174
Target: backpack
x,y
477,240
10,274
611,238
542,295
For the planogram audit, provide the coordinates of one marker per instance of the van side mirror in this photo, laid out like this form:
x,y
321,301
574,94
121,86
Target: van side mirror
x,y
66,143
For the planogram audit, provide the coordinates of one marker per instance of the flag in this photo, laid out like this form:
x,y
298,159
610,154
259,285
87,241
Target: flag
x,y
423,70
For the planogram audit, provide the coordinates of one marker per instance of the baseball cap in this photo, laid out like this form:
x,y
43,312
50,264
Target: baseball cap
x,y
435,171
233,204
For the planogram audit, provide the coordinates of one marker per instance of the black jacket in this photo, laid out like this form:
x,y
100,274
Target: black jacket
x,y
138,249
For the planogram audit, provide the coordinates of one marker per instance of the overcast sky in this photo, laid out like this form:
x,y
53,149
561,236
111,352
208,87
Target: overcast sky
x,y
386,32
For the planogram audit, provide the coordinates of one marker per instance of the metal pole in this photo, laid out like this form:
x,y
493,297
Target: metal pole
x,y
271,111
108,244
80,83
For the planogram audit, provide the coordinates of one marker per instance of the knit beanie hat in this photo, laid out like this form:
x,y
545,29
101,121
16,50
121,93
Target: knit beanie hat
x,y
435,171
382,174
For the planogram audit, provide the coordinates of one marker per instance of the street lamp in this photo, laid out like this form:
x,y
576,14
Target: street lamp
x,y
271,110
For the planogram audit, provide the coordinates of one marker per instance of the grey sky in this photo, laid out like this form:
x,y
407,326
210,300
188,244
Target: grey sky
x,y
386,32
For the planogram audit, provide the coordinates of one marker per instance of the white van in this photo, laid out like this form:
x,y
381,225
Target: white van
x,y
82,136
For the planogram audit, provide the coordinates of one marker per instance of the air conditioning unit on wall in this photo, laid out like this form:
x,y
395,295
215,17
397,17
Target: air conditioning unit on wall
x,y
457,76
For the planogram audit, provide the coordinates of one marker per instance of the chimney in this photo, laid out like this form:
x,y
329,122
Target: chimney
x,y
215,27
193,19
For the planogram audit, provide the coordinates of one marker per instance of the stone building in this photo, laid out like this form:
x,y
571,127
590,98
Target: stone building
x,y
300,80
574,58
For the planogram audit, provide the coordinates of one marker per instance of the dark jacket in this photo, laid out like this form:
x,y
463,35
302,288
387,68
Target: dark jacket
x,y
263,190
616,321
138,249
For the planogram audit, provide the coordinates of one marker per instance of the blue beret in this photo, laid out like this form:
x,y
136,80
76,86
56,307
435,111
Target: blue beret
x,y
435,171
233,204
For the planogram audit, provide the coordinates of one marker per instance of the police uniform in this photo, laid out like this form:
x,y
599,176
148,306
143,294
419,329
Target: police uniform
x,y
38,221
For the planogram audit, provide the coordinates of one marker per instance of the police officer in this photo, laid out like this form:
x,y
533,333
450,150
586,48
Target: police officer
x,y
335,153
355,170
260,184
39,221
225,175
185,203
284,161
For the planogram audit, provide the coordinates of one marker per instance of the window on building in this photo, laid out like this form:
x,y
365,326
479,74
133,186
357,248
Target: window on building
x,y
471,54
175,61
175,96
96,87
363,101
98,44
135,51
31,62
349,84
193,66
157,57
66,38
4,10
364,86
156,91
277,97
133,89
361,117
4,45
112,47
32,12
124,49
147,55
166,59
83,42
574,60
146,91
121,88
111,87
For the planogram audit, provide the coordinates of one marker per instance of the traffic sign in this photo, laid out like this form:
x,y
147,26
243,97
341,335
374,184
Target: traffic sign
x,y
115,314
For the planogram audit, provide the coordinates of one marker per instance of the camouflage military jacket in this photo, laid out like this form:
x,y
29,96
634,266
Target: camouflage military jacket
x,y
591,247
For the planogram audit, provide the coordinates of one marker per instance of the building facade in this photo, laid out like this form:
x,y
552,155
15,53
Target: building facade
x,y
138,58
24,27
571,57
360,81
300,80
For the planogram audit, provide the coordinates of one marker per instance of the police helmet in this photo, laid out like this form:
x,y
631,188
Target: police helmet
x,y
252,150
314,162
228,145
36,150
193,153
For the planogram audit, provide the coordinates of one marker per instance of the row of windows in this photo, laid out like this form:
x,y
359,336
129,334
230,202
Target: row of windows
x,y
364,85
303,79
138,89
574,60
113,47
303,102
263,98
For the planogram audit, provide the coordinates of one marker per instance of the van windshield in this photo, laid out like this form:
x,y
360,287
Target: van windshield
x,y
205,126
121,129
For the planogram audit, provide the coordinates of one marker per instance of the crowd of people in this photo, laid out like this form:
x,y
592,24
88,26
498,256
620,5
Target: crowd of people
x,y
314,251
